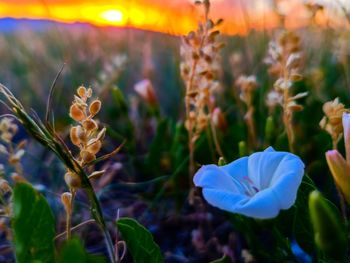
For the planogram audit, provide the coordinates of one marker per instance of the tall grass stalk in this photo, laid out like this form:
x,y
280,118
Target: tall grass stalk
x,y
46,135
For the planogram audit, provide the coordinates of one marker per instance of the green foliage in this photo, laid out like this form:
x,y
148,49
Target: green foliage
x,y
302,228
33,226
139,241
330,236
224,259
157,148
73,252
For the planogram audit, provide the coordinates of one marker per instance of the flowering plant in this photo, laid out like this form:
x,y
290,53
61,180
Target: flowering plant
x,y
257,186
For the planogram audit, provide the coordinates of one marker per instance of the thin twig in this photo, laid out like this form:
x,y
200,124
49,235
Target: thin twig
x,y
75,228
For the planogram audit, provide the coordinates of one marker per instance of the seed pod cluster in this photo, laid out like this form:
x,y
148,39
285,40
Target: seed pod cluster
x,y
14,153
332,121
285,58
85,134
200,67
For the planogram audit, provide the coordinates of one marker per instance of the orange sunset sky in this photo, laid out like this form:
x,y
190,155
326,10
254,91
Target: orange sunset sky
x,y
169,16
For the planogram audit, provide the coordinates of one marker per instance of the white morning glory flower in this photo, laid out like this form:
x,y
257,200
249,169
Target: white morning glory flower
x,y
257,186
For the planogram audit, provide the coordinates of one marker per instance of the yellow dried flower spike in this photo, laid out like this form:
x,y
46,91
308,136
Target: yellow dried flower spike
x,y
332,121
85,134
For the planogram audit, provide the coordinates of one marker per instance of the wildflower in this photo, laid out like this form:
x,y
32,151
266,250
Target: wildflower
x,y
285,59
218,118
332,121
340,166
146,90
257,186
8,129
200,67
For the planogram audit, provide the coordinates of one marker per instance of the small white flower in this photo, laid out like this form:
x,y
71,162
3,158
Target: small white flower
x,y
257,186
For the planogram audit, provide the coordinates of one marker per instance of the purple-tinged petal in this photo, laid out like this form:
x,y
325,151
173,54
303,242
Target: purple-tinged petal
x,y
346,127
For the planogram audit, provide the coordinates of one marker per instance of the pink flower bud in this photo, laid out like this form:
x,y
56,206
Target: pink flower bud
x,y
145,89
340,170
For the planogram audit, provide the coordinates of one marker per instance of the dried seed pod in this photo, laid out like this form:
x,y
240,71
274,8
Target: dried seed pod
x,y
90,125
95,147
87,156
101,134
81,91
89,93
95,107
81,134
74,135
97,174
17,178
76,113
80,102
15,158
5,186
3,149
72,180
22,144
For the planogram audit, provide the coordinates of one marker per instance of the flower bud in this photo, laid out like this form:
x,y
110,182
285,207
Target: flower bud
x,y
15,158
242,148
219,119
95,107
340,170
221,161
66,199
330,235
72,180
269,128
145,89
76,113
5,186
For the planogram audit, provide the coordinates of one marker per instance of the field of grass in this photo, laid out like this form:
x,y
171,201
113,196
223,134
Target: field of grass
x,y
147,178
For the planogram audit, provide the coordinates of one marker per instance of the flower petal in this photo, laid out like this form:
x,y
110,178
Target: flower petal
x,y
237,169
262,166
263,205
287,181
346,127
340,171
277,175
212,177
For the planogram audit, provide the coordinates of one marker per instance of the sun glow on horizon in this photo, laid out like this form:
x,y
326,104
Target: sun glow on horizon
x,y
114,16
177,17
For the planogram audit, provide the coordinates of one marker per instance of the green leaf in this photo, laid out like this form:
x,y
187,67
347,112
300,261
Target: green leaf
x,y
330,236
224,259
157,149
33,226
139,241
302,227
73,252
